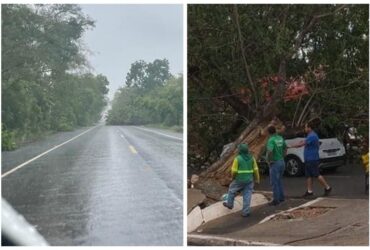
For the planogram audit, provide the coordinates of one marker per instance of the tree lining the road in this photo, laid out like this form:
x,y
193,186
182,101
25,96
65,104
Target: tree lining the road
x,y
46,83
151,95
245,62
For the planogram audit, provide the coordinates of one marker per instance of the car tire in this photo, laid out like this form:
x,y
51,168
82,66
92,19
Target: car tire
x,y
293,166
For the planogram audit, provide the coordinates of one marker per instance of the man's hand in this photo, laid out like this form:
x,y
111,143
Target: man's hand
x,y
298,145
269,156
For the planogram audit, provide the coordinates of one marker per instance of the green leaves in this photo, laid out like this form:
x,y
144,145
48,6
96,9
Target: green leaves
x,y
40,50
290,40
7,139
150,96
147,76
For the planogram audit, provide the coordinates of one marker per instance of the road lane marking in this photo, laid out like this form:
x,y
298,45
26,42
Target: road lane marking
x,y
159,133
133,150
44,153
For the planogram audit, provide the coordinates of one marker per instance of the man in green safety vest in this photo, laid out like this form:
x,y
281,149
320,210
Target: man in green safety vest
x,y
244,173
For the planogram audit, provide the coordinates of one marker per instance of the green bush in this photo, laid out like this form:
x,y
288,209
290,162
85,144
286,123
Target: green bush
x,y
7,140
177,128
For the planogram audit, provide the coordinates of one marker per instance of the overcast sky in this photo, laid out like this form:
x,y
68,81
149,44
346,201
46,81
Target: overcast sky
x,y
124,34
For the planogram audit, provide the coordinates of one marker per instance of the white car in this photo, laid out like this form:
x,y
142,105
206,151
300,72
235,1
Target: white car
x,y
331,152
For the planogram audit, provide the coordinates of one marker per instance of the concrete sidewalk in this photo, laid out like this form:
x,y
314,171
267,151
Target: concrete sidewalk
x,y
341,222
198,216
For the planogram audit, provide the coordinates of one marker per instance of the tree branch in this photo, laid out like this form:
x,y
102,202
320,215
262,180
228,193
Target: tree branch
x,y
296,110
306,29
282,27
340,87
225,93
240,107
236,17
305,108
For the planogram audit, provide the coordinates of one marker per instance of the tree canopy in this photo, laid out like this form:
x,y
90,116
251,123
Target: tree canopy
x,y
46,84
151,95
243,60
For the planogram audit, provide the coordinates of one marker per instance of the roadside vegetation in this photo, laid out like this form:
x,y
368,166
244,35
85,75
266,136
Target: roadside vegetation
x,y
46,82
151,95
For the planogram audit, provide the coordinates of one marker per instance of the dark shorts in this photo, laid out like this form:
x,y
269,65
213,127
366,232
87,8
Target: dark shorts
x,y
312,169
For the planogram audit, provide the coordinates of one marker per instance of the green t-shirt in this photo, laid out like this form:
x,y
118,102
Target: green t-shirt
x,y
276,144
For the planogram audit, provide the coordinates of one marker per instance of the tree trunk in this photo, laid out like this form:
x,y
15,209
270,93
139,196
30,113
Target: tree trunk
x,y
214,180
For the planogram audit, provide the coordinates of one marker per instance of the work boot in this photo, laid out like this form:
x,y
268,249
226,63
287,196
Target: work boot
x,y
273,203
307,194
327,191
227,205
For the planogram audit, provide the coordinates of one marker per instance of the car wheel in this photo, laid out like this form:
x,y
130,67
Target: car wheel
x,y
293,166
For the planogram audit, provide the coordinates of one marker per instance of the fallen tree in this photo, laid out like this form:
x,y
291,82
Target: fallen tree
x,y
226,44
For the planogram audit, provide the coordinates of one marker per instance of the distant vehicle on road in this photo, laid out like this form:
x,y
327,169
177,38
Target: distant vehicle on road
x,y
332,155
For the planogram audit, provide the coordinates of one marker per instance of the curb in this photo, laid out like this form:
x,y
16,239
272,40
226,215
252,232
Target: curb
x,y
307,204
210,240
199,216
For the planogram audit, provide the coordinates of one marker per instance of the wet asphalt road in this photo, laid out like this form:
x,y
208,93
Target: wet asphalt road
x,y
348,182
114,185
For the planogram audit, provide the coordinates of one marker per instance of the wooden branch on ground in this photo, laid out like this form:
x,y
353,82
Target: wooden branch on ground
x,y
230,152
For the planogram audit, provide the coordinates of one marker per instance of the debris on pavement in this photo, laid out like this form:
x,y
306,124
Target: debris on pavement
x,y
302,213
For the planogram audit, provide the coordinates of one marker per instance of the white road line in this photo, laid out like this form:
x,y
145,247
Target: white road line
x,y
159,133
42,154
121,134
133,150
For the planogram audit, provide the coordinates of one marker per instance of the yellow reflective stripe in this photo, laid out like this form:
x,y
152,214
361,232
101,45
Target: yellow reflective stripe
x,y
245,171
256,171
234,168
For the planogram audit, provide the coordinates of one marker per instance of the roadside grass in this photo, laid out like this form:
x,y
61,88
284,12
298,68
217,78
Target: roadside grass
x,y
175,128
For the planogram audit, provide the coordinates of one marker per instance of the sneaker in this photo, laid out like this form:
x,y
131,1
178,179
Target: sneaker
x,y
307,194
273,203
327,191
245,215
227,205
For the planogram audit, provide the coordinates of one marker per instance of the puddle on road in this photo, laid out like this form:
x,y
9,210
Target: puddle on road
x,y
302,213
